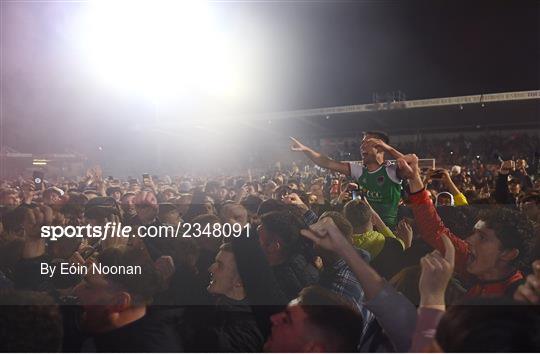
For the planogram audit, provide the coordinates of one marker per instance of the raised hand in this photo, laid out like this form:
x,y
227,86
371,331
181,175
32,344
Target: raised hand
x,y
436,174
405,233
297,146
294,199
408,166
436,273
326,234
376,143
529,292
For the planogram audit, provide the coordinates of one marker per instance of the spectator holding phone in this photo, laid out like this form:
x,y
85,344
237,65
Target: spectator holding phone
x,y
453,197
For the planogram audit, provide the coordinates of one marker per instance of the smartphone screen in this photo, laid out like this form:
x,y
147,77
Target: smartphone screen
x,y
354,194
38,179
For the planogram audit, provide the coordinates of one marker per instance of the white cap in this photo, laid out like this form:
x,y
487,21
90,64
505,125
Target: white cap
x,y
57,190
446,194
456,169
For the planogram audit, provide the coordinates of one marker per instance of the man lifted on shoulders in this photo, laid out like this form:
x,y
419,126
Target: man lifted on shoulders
x,y
377,178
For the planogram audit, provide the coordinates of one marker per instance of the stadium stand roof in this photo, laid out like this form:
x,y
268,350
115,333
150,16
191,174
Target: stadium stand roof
x,y
509,110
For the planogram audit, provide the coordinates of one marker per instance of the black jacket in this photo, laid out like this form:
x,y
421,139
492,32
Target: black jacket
x,y
150,334
230,326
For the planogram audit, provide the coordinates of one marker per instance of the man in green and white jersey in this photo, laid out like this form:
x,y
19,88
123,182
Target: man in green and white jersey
x,y
378,179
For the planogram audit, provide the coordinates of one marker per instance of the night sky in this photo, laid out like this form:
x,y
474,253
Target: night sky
x,y
314,54
426,49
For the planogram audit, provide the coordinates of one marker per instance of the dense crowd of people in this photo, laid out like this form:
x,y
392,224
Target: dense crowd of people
x,y
488,148
344,257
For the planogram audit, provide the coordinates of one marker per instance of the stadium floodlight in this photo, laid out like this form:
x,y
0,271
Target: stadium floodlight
x,y
161,48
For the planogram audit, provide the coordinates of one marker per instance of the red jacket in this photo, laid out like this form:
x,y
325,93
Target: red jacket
x,y
432,229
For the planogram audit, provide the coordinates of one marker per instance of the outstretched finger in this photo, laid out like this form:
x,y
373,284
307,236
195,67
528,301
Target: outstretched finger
x,y
449,250
294,140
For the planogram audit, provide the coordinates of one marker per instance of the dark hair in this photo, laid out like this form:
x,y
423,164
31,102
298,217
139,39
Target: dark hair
x,y
165,208
30,322
282,191
48,192
513,229
112,190
341,222
339,323
75,204
357,212
514,181
251,203
271,205
379,135
211,185
210,244
227,247
456,220
196,207
302,195
287,225
489,325
127,194
14,220
142,287
205,219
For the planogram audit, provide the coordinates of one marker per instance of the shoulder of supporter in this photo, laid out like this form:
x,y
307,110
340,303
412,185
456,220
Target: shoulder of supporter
x,y
391,170
460,199
356,169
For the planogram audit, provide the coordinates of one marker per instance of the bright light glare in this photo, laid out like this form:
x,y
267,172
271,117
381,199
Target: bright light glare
x,y
162,49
